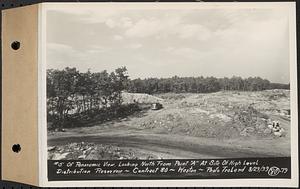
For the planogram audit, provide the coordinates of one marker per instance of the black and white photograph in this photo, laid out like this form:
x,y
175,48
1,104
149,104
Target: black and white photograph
x,y
159,82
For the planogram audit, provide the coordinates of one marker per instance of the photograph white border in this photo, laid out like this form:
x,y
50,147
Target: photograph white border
x,y
43,181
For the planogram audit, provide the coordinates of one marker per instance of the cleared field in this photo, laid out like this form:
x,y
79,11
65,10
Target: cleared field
x,y
213,125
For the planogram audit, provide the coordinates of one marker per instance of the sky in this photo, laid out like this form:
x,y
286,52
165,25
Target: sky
x,y
159,43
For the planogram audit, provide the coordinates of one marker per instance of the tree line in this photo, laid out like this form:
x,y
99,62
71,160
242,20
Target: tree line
x,y
200,84
74,97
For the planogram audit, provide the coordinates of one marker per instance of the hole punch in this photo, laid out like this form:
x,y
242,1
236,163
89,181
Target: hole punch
x,y
16,148
15,45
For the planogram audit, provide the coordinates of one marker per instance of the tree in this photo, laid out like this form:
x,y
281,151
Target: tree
x,y
71,92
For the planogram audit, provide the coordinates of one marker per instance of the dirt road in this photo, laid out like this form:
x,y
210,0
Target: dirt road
x,y
170,146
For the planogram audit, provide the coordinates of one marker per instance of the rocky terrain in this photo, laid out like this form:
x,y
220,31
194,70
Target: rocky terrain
x,y
188,126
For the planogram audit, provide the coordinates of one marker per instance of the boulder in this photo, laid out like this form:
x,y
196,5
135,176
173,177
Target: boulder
x,y
278,134
57,156
270,126
82,157
51,148
267,131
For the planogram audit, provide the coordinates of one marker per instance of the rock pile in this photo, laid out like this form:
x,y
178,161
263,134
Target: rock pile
x,y
253,122
88,151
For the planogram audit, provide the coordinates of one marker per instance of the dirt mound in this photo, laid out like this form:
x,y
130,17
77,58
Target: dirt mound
x,y
223,114
185,121
173,96
129,98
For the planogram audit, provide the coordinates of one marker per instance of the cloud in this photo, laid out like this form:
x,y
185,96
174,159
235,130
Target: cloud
x,y
110,23
184,53
126,22
195,31
117,37
145,28
96,49
135,46
207,42
91,15
70,51
117,22
59,47
167,26
158,24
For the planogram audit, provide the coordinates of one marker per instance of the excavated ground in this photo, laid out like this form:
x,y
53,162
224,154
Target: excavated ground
x,y
214,125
